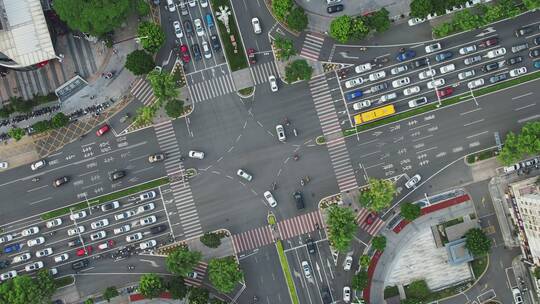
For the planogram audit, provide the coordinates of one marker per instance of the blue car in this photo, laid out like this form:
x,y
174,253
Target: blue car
x,y
209,20
405,55
536,64
444,56
353,95
12,248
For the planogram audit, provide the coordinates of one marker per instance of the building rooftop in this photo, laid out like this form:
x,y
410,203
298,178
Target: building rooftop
x,y
457,253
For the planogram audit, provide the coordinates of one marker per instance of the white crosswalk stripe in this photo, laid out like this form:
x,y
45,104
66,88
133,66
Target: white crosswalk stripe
x,y
183,197
211,88
339,156
312,46
142,90
262,71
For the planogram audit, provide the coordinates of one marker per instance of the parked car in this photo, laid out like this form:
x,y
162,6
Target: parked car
x,y
178,29
124,215
53,223
122,229
413,181
520,47
489,42
411,90
61,258
421,62
100,223
473,59
496,53
188,27
78,215
354,82
518,71
408,54
497,78
243,174
414,21
214,41
158,229
252,57
490,67
104,129
30,231
147,195
196,51
76,230
361,105
399,69
80,264
34,242
401,82
427,74
475,83
444,56
433,48
98,235
466,74
447,68
379,87
514,60
467,49
334,8
523,31
198,27
377,75
146,207
417,102
350,96
445,92
206,50
6,238
363,68
38,165
388,97
148,244
22,258
534,53
134,237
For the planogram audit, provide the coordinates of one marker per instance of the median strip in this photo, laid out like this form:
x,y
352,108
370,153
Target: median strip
x,y
287,272
444,103
105,198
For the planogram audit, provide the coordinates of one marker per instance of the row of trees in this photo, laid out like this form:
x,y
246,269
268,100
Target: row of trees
x,y
291,14
59,120
17,104
346,28
503,9
25,289
518,146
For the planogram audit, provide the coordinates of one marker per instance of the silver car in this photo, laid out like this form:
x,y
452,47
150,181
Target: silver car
x,y
281,133
243,174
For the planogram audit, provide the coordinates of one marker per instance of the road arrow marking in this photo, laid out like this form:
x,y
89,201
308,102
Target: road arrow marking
x,y
344,55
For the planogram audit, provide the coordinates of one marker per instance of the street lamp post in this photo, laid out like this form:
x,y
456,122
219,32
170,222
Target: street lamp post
x,y
433,81
78,232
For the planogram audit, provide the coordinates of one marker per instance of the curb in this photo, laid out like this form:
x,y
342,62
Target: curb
x,y
480,161
296,34
247,96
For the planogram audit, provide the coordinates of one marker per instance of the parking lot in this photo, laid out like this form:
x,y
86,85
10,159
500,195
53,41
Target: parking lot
x,y
100,235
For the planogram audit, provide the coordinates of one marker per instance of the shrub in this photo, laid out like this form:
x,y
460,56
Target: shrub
x,y
212,240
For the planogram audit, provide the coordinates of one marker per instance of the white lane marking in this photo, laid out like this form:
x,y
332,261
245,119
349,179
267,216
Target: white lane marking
x,y
521,96
90,186
529,118
477,134
153,263
137,158
425,150
34,189
41,200
142,170
524,107
471,111
474,122
90,172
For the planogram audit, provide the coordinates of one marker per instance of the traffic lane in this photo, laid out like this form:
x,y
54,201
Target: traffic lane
x,y
244,12
308,283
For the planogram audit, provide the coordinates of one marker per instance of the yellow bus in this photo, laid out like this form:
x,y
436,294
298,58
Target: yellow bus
x,y
374,114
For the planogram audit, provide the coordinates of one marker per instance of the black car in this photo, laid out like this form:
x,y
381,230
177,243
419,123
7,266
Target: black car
x,y
418,63
534,53
523,31
75,242
325,294
188,27
196,51
497,78
490,67
311,247
379,87
4,263
514,60
116,175
60,181
334,8
299,200
537,40
158,229
80,264
214,40
444,56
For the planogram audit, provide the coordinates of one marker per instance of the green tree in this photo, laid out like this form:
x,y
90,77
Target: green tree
x,y
163,86
224,274
59,120
477,242
284,48
182,261
5,111
510,152
418,290
145,115
341,28
467,20
24,289
421,8
531,4
151,36
45,282
174,108
216,301
444,29
360,280
150,285
96,17
298,70
16,133
379,242
380,21
379,195
341,227
89,301
139,62
212,240
494,13
20,105
411,301
359,29
410,211
109,293
142,7
516,147
281,8
177,288
297,19
537,273
42,126
199,295
364,261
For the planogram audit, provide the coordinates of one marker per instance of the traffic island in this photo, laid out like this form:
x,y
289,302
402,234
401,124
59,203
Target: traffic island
x,y
481,155
246,92
287,272
320,140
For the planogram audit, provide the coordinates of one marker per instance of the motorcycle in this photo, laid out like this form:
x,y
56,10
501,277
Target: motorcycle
x,y
35,179
296,157
295,132
274,186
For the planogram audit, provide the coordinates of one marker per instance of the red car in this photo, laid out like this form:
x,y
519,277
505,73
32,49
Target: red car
x,y
107,245
80,251
489,42
104,129
184,51
251,55
370,219
445,92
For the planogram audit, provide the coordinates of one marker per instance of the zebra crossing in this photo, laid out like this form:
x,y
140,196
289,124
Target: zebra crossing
x,y
326,111
197,280
300,224
183,197
262,71
142,90
211,88
251,239
312,46
373,225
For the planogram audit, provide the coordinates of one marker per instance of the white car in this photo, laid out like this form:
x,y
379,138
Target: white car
x,y
98,235
78,215
354,82
399,69
30,231
307,269
203,3
516,293
475,83
417,102
401,82
196,154
411,90
472,3
53,223
346,294
6,238
496,52
8,275
38,165
124,215
270,199
432,16
273,83
44,252
466,74
53,271
447,68
414,21
21,258
4,165
61,258
243,174
518,71
198,27
171,6
122,229
34,266
148,244
413,181
192,3
147,207
36,241
361,105
467,49
178,29
110,206
427,74
348,263
377,75
134,237
388,97
280,131
100,224
433,48
256,25
436,83
206,50
147,195
74,231
363,68
148,220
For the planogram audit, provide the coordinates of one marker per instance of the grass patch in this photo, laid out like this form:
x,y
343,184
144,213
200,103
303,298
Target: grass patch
x,y
246,91
237,60
105,198
447,292
453,222
444,103
320,140
287,272
482,155
390,291
64,281
479,265
271,219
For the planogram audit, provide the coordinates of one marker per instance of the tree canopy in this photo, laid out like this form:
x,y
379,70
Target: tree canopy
x,y
174,108
59,120
177,287
516,147
96,17
360,280
150,285
297,19
139,62
163,86
110,292
182,261
211,239
151,36
410,211
281,8
378,196
198,295
421,8
379,242
341,28
379,20
24,289
298,70
477,242
224,274
284,48
341,227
